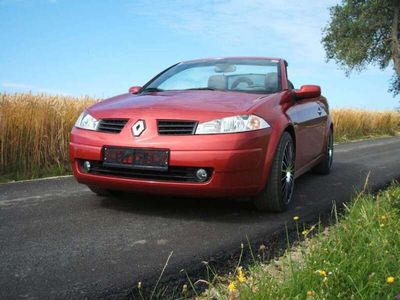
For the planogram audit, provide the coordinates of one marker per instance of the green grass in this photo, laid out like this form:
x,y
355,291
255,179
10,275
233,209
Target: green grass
x,y
35,173
346,139
350,260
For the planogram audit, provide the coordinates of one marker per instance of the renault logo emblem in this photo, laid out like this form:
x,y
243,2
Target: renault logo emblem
x,y
138,128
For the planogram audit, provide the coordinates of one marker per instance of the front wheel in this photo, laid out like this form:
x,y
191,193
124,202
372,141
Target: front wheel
x,y
325,166
277,194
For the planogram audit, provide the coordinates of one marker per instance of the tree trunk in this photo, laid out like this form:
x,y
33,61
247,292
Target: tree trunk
x,y
395,36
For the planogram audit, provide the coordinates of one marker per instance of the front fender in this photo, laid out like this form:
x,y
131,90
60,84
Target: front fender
x,y
279,127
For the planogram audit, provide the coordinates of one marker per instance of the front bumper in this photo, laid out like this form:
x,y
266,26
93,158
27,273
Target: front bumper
x,y
236,172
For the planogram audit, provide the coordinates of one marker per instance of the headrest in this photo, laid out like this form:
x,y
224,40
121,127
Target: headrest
x,y
217,82
271,82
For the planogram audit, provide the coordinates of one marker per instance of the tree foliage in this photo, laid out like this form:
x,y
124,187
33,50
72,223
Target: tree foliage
x,y
364,32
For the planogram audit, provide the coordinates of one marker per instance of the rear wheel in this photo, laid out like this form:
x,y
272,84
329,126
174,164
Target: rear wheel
x,y
325,166
278,191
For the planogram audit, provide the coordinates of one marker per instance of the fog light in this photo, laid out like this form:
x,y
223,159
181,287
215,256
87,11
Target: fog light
x,y
86,166
201,175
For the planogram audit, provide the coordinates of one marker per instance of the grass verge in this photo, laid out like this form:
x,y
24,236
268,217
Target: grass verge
x,y
356,258
57,170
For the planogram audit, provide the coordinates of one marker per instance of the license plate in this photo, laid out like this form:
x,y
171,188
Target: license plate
x,y
136,158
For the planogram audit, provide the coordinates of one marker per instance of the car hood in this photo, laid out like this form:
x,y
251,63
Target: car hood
x,y
196,105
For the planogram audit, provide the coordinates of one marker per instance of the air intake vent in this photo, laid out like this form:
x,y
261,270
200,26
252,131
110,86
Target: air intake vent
x,y
111,125
172,174
176,127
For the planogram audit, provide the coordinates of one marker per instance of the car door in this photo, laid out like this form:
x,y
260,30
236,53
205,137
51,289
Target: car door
x,y
309,118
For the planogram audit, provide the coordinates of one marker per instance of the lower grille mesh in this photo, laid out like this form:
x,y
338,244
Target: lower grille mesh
x,y
187,174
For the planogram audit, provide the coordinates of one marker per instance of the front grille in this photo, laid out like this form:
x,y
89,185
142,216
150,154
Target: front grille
x,y
185,174
111,125
176,127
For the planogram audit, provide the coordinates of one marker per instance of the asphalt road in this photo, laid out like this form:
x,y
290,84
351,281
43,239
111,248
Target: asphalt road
x,y
58,240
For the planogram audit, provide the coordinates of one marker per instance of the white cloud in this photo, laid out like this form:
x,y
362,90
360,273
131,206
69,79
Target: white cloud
x,y
24,1
287,26
23,87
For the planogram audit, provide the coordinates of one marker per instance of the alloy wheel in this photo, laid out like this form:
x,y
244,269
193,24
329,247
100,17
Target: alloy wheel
x,y
330,148
287,172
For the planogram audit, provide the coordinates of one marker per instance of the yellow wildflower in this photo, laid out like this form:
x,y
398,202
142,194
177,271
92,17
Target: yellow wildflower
x,y
390,279
231,287
306,232
184,289
321,272
295,218
310,293
241,277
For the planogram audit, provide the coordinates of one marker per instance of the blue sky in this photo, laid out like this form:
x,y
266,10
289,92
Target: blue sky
x,y
100,48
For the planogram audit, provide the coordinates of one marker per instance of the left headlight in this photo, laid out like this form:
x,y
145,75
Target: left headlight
x,y
233,124
86,121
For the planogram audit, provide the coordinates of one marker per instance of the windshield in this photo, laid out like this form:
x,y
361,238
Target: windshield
x,y
242,75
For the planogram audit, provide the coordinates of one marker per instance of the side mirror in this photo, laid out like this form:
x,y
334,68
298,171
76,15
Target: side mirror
x,y
134,89
308,91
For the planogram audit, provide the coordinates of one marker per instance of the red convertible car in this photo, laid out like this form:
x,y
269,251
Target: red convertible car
x,y
220,127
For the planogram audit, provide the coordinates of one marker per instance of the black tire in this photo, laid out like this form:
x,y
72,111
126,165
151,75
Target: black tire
x,y
277,193
325,166
100,191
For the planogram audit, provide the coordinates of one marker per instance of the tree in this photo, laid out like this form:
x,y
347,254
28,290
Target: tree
x,y
363,32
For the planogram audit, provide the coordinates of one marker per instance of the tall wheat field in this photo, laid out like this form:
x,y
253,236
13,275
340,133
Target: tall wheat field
x,y
34,131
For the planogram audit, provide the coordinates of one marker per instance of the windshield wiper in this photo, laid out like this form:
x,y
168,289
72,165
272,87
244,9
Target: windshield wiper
x,y
200,89
152,89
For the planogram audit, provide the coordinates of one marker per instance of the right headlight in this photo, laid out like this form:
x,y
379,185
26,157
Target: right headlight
x,y
233,124
86,121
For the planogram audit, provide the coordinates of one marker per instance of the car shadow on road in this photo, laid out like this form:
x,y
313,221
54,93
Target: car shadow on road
x,y
222,209
311,189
